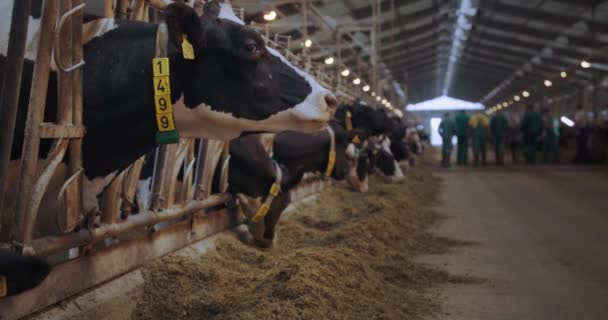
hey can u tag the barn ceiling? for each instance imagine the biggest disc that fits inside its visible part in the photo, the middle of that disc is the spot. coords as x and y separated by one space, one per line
475 50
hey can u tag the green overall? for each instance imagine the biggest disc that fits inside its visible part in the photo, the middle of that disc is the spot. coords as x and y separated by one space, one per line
447 129
479 127
531 127
551 141
499 126
462 133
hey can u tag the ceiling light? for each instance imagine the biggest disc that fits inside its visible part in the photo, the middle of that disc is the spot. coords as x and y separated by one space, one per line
383 101
366 88
345 72
329 61
378 98
548 83
270 16
525 94
585 64
516 98
373 94
357 81
504 104
308 43
563 74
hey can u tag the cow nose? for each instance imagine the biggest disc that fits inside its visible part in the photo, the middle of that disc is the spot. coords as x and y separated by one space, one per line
331 101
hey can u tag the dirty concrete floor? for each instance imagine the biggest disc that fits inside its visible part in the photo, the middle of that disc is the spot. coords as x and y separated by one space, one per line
541 240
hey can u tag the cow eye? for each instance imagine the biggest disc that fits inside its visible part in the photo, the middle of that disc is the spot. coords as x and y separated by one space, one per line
252 48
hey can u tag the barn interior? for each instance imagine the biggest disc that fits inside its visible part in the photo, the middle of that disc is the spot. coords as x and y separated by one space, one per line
312 159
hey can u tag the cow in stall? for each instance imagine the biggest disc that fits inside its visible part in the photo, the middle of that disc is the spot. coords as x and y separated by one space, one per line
376 125
261 186
119 99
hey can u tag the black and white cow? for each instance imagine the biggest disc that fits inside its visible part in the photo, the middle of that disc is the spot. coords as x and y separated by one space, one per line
234 85
377 125
251 173
311 151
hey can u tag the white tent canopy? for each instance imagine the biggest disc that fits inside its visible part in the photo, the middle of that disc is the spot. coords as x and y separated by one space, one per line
445 103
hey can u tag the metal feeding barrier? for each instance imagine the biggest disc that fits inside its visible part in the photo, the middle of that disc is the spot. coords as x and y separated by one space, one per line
90 248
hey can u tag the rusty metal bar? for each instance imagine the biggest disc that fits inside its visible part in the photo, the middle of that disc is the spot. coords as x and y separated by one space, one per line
158 178
200 168
49 245
51 130
25 215
62 54
11 87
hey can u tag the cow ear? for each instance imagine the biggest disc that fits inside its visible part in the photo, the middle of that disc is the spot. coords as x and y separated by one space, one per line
182 21
211 11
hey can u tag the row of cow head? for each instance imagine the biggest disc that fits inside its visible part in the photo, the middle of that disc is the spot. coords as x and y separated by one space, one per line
234 85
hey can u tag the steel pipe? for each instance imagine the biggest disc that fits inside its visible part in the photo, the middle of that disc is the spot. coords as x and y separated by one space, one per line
53 244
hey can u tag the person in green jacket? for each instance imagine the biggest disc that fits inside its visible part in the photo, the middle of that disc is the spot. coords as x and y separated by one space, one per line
551 137
479 127
499 126
462 133
447 129
531 127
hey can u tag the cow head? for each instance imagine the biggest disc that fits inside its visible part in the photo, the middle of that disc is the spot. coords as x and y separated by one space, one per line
21 273
251 174
237 81
311 151
252 171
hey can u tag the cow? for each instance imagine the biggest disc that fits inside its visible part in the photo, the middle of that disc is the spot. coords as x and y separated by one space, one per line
20 273
376 125
118 94
312 151
251 176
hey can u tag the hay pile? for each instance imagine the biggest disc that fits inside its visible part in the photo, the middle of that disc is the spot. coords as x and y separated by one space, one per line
343 256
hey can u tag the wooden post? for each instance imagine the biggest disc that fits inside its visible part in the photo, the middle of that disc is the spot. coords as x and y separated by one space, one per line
11 87
22 232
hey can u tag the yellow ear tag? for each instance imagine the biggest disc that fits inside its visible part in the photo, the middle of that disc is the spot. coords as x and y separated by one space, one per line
187 49
3 286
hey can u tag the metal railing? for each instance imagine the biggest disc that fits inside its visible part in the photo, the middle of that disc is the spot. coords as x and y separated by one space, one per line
90 248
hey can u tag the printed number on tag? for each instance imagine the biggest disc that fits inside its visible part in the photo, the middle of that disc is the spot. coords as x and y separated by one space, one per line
160 67
161 86
165 122
163 103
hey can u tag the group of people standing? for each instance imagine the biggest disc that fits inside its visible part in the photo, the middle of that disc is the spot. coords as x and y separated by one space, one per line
523 134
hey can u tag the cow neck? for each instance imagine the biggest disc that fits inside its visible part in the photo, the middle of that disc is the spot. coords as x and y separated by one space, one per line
124 127
331 161
262 211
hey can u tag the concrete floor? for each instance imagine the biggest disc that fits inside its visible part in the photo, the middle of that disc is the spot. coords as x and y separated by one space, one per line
541 240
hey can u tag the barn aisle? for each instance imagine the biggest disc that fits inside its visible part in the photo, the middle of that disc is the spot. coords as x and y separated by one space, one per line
540 237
